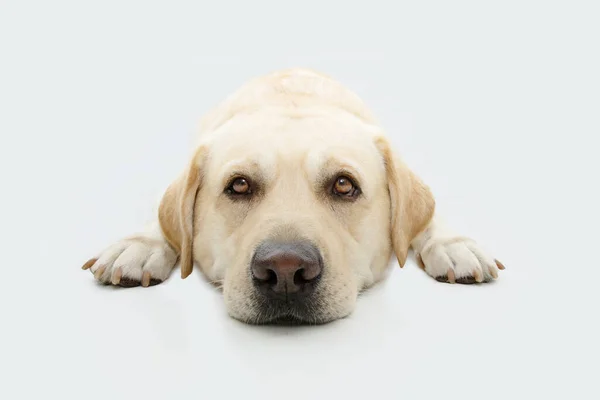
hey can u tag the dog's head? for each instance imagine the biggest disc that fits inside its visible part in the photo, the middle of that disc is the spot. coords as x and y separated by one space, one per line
294 215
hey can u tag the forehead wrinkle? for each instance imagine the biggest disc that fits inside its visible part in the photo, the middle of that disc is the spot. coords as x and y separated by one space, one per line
323 161
250 165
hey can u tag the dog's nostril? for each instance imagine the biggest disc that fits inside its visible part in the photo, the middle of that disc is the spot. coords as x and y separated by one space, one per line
306 275
264 274
271 277
299 278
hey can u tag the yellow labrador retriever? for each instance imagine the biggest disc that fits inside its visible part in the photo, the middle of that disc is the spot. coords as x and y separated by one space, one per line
293 202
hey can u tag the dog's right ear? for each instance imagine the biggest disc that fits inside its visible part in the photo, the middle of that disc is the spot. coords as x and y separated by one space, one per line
412 203
176 211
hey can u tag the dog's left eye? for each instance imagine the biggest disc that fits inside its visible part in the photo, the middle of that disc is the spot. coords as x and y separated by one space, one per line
239 186
343 186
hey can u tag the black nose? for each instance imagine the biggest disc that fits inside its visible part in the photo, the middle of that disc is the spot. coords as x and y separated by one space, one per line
286 268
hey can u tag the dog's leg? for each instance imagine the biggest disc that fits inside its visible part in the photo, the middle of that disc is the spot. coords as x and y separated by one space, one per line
144 259
448 257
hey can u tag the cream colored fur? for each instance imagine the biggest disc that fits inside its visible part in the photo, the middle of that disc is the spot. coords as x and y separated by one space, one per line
290 130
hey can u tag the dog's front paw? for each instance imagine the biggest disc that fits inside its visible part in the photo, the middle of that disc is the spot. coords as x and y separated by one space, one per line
133 262
458 260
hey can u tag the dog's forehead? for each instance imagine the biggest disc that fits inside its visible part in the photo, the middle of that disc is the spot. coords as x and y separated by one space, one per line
309 141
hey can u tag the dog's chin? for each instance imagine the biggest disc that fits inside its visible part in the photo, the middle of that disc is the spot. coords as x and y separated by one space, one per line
289 320
313 309
284 317
289 317
288 314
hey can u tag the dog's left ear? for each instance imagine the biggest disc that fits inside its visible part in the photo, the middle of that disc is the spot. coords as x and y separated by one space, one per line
412 204
176 211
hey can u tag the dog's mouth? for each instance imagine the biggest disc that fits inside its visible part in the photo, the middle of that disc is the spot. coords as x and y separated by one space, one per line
287 320
292 320
288 313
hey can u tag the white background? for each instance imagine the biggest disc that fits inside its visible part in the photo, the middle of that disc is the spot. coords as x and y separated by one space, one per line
494 103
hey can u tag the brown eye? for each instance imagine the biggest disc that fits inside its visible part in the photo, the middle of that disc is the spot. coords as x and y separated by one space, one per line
343 186
239 186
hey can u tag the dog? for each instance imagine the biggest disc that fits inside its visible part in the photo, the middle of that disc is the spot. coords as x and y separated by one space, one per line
293 202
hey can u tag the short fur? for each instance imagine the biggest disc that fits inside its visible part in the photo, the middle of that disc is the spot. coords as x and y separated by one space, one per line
291 132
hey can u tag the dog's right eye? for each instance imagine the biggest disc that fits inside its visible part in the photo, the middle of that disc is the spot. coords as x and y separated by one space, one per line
344 187
239 187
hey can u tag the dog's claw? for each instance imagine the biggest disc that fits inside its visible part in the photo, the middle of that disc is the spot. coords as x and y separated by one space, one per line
116 276
146 279
499 264
99 272
451 276
478 276
89 263
420 262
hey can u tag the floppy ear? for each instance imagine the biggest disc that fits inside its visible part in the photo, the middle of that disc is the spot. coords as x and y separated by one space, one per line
412 204
176 212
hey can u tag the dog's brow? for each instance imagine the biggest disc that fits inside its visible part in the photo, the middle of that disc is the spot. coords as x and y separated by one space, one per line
335 164
240 167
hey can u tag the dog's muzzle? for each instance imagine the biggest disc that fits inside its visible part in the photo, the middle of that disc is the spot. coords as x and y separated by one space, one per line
287 274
